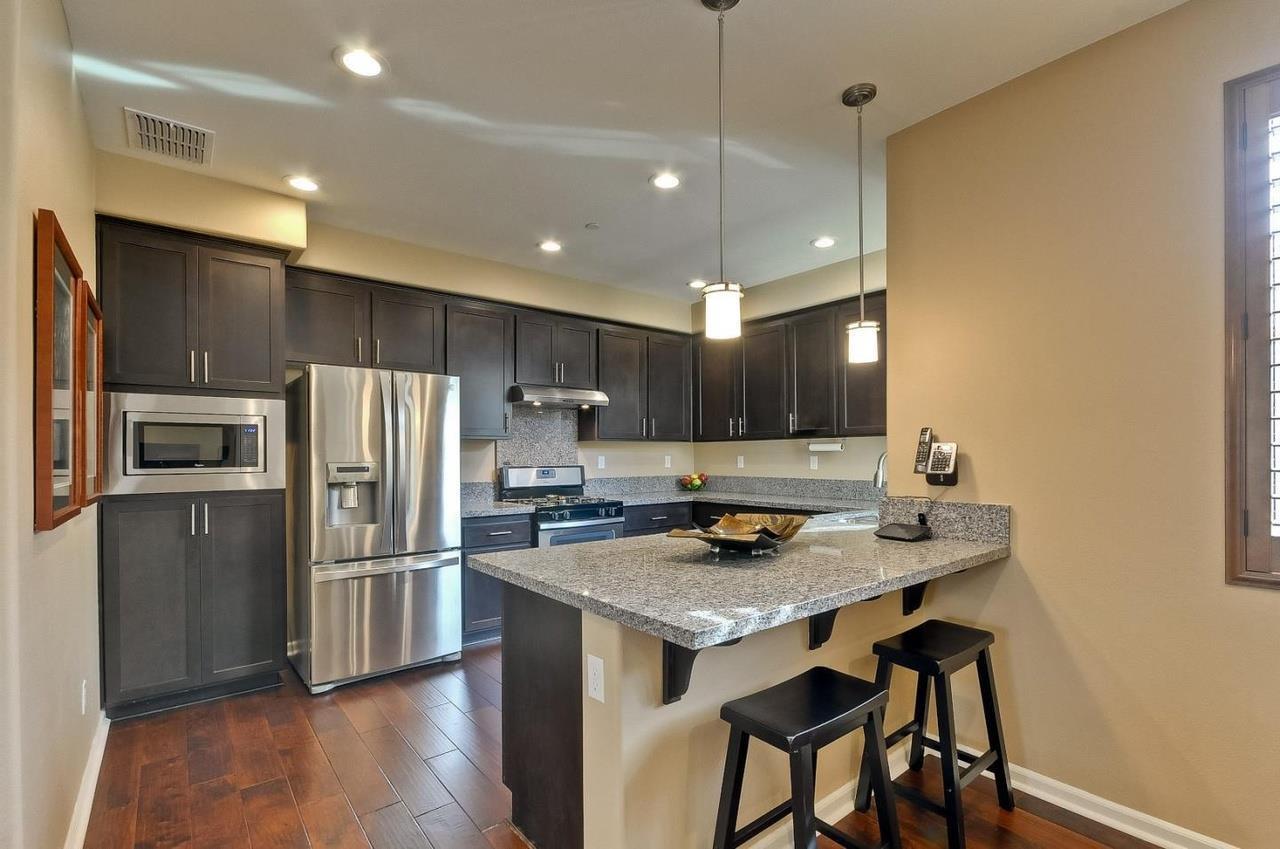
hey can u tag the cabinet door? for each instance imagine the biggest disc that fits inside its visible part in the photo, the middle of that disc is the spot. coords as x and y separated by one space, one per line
148 290
482 594
862 391
328 319
624 378
535 349
718 379
242 580
669 395
764 368
575 351
408 330
480 350
241 321
150 563
811 373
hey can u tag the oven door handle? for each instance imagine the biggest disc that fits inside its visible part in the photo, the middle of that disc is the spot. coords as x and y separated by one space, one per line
583 523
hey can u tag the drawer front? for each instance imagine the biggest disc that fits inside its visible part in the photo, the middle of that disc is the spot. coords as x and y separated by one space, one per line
495 530
648 516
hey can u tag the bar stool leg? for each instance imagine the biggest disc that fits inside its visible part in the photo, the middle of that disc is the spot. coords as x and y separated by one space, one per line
804 821
995 733
862 796
886 805
735 765
950 763
915 758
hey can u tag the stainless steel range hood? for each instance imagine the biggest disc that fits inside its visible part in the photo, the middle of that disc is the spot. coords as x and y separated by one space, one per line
557 396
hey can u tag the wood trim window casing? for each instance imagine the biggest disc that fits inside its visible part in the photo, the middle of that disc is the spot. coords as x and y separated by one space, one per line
1252 434
87 309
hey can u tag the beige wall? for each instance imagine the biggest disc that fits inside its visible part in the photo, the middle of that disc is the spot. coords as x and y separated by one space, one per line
144 190
346 251
1056 257
50 579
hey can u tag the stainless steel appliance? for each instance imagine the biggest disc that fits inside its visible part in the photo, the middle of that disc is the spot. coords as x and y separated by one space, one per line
562 515
193 443
375 527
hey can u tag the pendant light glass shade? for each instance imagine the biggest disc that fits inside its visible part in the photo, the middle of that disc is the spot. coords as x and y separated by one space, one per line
864 341
723 302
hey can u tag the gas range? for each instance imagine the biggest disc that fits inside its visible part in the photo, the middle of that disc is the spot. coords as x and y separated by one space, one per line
562 514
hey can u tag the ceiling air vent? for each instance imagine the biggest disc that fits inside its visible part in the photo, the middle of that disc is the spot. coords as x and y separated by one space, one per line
167 137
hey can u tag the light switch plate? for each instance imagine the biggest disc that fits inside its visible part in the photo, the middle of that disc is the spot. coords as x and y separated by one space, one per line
600 461
666 461
813 463
742 462
595 678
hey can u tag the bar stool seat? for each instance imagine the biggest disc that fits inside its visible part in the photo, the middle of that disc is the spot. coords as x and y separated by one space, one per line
799 716
934 647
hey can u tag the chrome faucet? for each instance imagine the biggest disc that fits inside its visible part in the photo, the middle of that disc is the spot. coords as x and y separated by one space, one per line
880 479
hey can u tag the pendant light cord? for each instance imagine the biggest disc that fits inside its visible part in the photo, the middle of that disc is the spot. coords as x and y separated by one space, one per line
720 23
862 257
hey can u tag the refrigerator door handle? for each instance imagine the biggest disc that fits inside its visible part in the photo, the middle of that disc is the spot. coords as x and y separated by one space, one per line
368 569
390 471
403 420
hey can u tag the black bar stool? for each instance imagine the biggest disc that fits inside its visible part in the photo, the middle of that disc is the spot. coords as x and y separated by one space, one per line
799 717
936 650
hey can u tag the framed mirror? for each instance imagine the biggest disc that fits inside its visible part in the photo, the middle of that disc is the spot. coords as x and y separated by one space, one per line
57 395
89 379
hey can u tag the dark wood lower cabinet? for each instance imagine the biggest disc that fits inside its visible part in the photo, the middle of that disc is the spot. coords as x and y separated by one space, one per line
481 594
193 595
645 519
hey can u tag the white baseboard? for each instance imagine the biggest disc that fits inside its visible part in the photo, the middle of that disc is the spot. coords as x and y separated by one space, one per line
839 804
88 783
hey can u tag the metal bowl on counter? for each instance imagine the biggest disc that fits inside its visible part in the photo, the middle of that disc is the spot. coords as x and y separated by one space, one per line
750 533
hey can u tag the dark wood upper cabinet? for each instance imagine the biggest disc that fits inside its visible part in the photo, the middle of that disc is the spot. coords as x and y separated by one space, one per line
717 378
555 351
670 371
862 389
408 329
480 349
624 377
812 360
149 290
764 367
240 340
242 585
328 319
190 312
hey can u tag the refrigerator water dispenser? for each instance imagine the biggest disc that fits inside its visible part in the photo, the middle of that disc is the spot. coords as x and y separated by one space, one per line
354 490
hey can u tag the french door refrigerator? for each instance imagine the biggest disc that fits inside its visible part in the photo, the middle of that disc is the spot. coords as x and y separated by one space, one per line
375 528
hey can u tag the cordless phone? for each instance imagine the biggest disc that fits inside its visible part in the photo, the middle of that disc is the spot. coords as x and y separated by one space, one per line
941 469
922 449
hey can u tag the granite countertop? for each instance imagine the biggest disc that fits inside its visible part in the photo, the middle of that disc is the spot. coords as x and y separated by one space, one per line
674 589
474 507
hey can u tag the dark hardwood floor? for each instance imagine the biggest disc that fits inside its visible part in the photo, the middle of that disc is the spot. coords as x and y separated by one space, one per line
410 761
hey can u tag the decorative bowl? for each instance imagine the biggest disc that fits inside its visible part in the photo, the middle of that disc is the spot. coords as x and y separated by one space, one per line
755 533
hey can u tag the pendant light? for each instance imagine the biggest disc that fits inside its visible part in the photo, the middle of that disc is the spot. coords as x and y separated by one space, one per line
722 300
864 336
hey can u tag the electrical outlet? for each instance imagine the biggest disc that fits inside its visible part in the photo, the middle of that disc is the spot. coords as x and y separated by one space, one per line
595 678
600 461
742 462
666 461
84 697
813 463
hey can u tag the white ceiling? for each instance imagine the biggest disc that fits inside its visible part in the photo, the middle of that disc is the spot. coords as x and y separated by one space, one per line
502 123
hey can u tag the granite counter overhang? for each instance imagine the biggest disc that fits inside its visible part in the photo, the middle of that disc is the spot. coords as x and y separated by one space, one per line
818 504
672 589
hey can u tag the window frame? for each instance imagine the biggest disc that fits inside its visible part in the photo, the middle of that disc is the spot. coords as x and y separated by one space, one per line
1243 329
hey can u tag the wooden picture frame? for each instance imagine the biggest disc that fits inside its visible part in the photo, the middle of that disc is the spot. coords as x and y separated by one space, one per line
58 405
90 447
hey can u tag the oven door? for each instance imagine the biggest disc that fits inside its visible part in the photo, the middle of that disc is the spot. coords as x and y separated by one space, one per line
183 443
569 533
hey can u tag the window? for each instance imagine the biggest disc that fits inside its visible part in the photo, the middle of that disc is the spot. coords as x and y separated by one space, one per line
1253 329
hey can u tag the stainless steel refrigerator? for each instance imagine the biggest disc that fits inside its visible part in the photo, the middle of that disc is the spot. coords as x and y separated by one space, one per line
375 528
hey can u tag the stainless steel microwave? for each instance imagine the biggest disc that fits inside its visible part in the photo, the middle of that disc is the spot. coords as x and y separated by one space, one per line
194 443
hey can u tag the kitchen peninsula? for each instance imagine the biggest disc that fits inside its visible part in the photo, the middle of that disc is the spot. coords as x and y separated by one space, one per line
611 735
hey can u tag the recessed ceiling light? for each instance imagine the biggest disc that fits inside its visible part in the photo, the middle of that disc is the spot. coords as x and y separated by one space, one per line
551 246
360 62
664 180
823 242
301 183
697 284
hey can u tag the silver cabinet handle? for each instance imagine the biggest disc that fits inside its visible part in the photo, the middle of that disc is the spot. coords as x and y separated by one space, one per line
501 533
206 518
206 366
377 351
742 426
193 504
359 349
657 518
653 427
193 378
644 427
731 426
791 422
721 516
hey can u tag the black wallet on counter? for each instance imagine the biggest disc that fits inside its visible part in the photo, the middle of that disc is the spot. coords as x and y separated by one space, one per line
904 532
